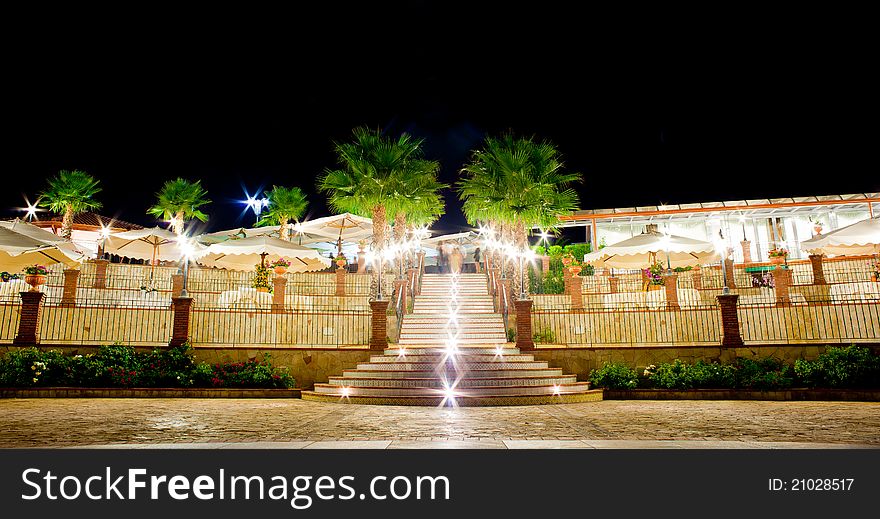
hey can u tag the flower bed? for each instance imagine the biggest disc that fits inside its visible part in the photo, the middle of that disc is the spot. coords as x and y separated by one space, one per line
123 367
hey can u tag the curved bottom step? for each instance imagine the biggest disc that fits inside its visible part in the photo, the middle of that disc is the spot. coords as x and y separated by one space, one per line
593 395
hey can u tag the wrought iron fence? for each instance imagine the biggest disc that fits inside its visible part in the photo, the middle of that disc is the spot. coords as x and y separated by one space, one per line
10 309
103 321
821 322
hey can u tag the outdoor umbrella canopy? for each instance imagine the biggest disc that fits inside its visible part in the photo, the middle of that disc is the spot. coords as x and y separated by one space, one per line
341 227
300 238
18 251
69 248
860 238
244 253
154 244
640 251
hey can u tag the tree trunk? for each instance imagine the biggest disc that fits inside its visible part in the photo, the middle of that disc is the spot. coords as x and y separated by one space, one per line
522 242
178 223
67 223
284 232
378 247
399 237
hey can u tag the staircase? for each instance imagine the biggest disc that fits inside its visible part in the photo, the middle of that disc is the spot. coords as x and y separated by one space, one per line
453 350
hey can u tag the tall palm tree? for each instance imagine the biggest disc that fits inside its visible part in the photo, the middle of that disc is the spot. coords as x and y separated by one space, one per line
285 204
373 171
519 183
420 200
70 193
179 200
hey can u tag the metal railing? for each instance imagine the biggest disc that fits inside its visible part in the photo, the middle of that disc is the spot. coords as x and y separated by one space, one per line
821 322
10 310
105 321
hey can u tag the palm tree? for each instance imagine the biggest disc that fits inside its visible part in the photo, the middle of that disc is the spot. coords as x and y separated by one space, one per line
372 176
179 200
420 200
285 204
70 193
519 183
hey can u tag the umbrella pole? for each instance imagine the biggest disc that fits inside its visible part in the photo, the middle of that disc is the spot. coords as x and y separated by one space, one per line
153 263
263 259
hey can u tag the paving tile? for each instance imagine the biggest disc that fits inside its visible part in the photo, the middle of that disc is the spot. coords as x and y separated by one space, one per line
547 444
449 444
373 444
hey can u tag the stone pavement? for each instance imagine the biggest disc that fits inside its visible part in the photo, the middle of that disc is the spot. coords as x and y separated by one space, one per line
244 423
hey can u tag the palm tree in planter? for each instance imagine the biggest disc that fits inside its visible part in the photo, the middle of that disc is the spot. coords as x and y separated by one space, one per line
369 180
522 184
179 200
285 204
70 193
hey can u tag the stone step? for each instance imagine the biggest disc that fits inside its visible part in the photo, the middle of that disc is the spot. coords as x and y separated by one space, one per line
592 395
436 357
451 375
444 335
438 382
445 311
462 365
469 350
460 341
448 327
457 392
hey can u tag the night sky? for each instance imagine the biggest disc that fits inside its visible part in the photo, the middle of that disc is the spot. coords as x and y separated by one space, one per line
662 116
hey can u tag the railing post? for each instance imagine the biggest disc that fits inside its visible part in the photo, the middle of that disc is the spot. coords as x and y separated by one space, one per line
524 340
818 270
100 273
781 283
182 312
670 282
577 294
614 284
379 324
730 334
279 290
340 281
29 319
400 291
68 293
697 277
411 274
747 251
176 285
729 272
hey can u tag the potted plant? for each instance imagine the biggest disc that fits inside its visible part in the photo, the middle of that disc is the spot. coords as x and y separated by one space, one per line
777 256
280 266
261 279
817 225
653 276
6 276
340 261
35 275
567 259
875 276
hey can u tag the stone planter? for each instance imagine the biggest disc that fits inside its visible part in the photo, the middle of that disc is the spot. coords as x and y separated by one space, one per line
652 287
35 280
566 261
575 270
280 270
340 263
263 289
777 260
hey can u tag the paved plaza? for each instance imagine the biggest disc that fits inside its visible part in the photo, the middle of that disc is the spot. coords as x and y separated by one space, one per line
216 423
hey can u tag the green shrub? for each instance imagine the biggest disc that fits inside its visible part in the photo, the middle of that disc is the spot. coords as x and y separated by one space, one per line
614 376
764 374
253 373
679 375
511 335
546 336
852 366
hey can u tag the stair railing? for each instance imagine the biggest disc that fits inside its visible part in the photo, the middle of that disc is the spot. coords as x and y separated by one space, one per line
504 307
398 310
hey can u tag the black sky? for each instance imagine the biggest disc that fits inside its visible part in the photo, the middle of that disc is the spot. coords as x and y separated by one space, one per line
649 113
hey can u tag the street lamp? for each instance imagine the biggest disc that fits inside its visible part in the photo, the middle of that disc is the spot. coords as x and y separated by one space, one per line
721 247
545 237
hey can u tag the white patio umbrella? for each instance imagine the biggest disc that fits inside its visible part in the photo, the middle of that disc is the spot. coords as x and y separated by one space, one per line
154 244
642 250
858 239
19 250
244 253
341 227
66 246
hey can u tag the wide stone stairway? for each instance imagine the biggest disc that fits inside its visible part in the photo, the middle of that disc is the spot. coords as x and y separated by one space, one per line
453 351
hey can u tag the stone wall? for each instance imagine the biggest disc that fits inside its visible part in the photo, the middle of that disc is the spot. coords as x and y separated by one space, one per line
580 361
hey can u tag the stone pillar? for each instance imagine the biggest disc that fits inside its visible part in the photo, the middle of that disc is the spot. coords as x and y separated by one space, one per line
29 319
545 263
781 282
524 339
176 285
729 271
340 281
279 290
362 261
100 273
818 271
747 251
670 281
68 294
576 292
730 335
697 277
614 284
378 325
180 328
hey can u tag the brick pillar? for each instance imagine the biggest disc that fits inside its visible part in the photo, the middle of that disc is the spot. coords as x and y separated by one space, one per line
400 288
747 251
379 325
697 277
576 292
176 285
818 271
545 263
340 281
68 294
100 273
781 281
524 339
29 319
670 281
279 290
362 261
614 284
729 270
180 328
730 335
